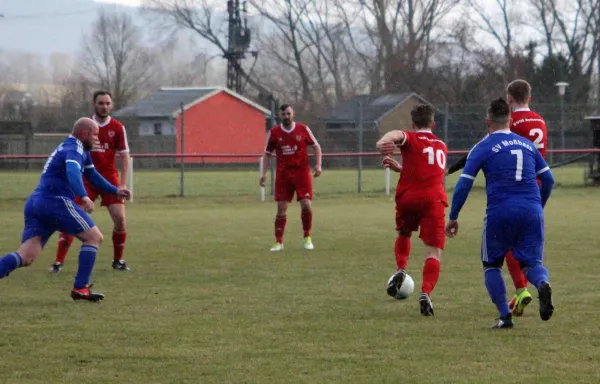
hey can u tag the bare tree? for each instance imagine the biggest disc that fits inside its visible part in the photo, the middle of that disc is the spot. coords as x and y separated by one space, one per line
113 57
199 17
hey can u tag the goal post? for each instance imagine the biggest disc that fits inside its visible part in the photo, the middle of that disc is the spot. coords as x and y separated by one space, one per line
130 178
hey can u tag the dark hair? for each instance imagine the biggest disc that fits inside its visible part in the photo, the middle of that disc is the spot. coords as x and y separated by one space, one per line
520 90
283 107
422 115
101 93
499 111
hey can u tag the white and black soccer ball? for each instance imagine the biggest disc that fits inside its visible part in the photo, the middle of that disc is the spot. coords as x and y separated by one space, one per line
405 289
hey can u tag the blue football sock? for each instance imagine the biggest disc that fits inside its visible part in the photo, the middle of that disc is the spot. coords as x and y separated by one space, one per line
497 289
9 263
537 275
87 259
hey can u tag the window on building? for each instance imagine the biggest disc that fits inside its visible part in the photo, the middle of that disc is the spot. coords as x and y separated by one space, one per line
158 129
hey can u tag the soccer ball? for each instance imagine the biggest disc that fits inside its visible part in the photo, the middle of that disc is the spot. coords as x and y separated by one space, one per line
407 287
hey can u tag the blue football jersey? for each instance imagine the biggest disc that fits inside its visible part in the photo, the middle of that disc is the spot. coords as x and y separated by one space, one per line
54 179
511 165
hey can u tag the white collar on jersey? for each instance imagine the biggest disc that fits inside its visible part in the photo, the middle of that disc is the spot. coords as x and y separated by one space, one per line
525 109
423 131
291 129
102 124
505 131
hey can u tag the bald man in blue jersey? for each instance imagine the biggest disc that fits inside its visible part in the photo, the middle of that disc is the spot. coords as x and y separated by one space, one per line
514 218
51 208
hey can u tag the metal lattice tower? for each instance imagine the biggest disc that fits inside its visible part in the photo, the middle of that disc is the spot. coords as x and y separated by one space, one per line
238 43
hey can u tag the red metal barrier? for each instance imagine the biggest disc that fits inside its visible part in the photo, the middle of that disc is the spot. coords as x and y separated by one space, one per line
257 155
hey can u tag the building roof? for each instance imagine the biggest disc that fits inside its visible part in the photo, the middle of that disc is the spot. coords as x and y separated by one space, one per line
166 102
374 108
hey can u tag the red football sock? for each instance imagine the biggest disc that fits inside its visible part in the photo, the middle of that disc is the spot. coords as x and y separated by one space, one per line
514 267
64 243
431 274
280 227
118 239
402 250
306 222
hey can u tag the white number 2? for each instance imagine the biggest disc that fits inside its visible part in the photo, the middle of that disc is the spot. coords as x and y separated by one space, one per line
434 155
539 136
519 172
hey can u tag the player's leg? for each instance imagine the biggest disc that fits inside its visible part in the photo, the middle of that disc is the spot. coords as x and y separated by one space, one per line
433 236
522 296
65 240
70 218
530 252
406 224
119 235
36 233
302 185
306 216
494 245
284 193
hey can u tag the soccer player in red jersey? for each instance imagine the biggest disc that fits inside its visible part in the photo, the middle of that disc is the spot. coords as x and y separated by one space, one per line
112 139
290 142
420 198
526 123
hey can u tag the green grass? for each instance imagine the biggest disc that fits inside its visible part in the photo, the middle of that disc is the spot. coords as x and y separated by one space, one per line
207 303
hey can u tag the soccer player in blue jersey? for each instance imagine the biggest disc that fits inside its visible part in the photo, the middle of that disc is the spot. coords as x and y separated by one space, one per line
514 218
51 208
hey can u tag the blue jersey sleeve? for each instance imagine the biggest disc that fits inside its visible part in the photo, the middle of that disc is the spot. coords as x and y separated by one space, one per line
540 164
474 162
74 159
99 181
545 175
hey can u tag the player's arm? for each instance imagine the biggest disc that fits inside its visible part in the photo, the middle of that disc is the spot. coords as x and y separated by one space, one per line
94 177
390 142
545 176
73 163
463 187
460 164
123 150
266 159
312 141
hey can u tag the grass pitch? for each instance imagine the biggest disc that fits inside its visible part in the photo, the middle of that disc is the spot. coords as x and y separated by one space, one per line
207 302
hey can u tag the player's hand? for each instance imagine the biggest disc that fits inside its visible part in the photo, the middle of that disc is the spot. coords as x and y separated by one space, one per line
124 193
262 181
386 147
318 171
392 164
452 228
87 204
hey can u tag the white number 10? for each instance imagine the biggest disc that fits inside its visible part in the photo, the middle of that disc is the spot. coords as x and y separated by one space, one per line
519 172
440 156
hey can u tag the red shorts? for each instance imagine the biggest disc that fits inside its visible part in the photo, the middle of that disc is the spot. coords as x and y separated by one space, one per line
107 198
414 211
287 183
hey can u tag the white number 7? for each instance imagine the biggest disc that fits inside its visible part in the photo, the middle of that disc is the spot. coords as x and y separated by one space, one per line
519 172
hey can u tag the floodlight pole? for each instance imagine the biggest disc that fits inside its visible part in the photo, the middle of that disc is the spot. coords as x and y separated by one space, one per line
562 87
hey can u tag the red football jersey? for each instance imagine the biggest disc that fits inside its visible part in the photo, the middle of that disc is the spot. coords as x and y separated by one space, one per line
531 126
290 146
423 164
112 139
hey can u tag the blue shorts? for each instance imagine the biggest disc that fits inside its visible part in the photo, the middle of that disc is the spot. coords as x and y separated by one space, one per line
46 214
516 231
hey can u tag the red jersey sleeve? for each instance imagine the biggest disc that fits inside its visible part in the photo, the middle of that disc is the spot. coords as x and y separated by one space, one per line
310 138
121 144
270 144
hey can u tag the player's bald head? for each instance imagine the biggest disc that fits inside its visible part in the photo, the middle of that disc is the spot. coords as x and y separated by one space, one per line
86 131
83 126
